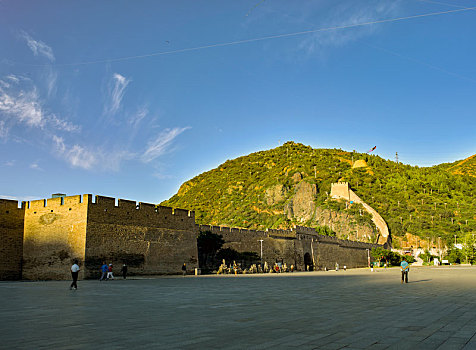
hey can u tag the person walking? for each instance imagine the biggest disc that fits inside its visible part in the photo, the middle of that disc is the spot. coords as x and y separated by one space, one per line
405 267
109 272
124 271
103 271
74 274
184 269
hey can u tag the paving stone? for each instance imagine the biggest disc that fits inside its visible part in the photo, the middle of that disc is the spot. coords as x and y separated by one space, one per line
355 309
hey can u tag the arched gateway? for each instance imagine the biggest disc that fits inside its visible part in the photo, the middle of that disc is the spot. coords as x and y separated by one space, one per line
308 262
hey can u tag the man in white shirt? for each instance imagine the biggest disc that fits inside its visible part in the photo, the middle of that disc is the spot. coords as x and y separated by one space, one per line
74 273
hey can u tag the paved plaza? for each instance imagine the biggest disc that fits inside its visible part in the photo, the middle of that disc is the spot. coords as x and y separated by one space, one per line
353 309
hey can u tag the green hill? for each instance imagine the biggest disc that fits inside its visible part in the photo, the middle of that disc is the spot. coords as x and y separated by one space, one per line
464 167
290 185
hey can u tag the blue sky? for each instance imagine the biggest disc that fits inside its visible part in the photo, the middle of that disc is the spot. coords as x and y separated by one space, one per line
130 99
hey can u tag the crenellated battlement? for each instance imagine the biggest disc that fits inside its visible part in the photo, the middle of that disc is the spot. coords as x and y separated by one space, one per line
345 243
184 213
105 202
57 202
8 204
126 204
111 210
297 232
304 230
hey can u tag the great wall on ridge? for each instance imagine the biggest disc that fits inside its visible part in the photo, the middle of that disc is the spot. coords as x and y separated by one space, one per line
41 238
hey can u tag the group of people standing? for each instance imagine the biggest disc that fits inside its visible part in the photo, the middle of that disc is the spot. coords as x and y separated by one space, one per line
106 271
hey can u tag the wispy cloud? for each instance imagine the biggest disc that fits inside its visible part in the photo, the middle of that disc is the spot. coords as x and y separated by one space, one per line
117 88
16 198
35 166
63 125
348 14
87 158
20 103
162 176
23 105
135 120
13 78
38 47
50 79
3 130
159 145
75 155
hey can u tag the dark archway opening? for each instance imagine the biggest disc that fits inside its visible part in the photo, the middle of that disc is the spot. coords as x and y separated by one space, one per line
308 264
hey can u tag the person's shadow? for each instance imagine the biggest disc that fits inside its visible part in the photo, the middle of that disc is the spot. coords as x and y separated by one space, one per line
419 281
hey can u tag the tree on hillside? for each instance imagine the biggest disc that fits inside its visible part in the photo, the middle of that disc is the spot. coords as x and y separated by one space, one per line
469 248
380 254
208 245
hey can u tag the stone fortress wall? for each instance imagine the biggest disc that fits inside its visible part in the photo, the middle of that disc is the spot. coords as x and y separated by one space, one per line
149 240
291 246
54 235
341 190
11 247
43 237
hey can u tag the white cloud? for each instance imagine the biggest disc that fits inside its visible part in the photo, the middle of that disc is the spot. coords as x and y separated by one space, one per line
59 144
3 130
38 47
76 155
50 80
347 14
117 88
35 166
162 176
13 78
10 163
87 158
61 124
137 118
23 105
20 103
159 146
4 84
15 198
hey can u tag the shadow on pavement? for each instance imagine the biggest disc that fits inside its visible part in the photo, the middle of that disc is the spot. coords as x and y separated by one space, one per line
419 281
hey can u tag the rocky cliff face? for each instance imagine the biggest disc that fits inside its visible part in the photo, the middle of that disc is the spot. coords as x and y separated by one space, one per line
299 204
275 194
345 226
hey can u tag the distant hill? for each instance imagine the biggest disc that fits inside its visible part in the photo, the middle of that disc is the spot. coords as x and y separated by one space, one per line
464 167
290 185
